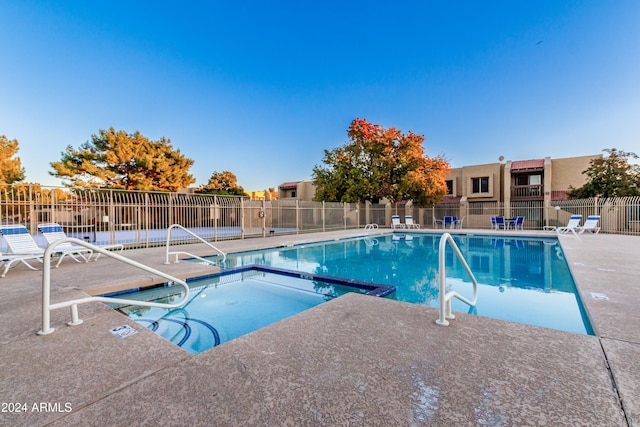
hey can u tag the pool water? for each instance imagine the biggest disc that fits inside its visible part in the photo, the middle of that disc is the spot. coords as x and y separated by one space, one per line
221 308
523 280
520 280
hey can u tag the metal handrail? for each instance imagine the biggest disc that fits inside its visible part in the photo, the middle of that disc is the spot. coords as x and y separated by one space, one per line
445 298
75 320
224 256
371 227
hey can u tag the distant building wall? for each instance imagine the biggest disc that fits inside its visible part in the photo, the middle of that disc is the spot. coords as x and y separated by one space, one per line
568 172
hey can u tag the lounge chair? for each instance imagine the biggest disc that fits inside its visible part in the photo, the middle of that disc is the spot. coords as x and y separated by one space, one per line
395 222
20 242
590 225
9 260
571 227
53 232
408 221
437 222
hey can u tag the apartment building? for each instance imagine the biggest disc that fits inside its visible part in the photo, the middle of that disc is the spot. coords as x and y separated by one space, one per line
537 180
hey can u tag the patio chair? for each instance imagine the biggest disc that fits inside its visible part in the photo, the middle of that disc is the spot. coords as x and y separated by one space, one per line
408 221
437 222
8 260
518 223
493 223
590 225
458 223
500 223
449 221
53 232
395 222
572 225
20 242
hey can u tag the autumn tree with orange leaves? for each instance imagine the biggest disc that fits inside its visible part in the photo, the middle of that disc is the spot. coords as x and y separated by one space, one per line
380 163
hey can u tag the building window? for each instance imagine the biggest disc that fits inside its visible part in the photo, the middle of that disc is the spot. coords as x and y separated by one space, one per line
528 180
293 194
480 185
449 186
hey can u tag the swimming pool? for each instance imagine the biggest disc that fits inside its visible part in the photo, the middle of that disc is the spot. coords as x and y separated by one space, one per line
239 301
523 280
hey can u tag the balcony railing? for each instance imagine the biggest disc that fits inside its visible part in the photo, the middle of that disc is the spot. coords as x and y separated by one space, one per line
527 192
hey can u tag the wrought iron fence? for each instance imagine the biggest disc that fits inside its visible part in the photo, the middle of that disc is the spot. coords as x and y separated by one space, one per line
140 219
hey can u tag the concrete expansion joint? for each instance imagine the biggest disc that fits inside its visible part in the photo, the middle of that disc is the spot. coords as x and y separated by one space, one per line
614 385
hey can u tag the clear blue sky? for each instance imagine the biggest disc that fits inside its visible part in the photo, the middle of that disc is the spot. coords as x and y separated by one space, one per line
262 88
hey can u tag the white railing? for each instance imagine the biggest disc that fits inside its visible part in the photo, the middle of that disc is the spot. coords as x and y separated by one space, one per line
371 227
445 297
168 253
47 307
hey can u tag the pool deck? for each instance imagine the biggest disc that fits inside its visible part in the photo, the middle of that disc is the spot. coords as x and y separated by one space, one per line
356 360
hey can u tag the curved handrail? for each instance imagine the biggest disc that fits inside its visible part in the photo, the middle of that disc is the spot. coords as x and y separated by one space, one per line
371 227
224 256
75 320
445 298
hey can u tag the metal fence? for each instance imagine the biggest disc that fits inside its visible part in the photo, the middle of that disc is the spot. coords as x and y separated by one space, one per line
140 219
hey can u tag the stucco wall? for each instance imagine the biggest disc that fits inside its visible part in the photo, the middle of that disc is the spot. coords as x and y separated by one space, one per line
568 171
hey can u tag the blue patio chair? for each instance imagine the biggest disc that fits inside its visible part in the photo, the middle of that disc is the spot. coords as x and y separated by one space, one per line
437 222
500 223
449 221
518 223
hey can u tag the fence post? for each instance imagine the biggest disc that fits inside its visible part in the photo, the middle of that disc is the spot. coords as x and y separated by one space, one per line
147 208
242 218
344 214
32 211
323 217
264 217
297 216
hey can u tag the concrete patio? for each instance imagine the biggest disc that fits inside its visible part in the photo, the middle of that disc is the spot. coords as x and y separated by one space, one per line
355 360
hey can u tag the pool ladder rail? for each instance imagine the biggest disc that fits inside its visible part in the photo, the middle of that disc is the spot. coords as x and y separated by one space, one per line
47 307
371 227
176 253
445 297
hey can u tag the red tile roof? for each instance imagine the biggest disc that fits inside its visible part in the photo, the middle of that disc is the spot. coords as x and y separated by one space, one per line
289 185
527 164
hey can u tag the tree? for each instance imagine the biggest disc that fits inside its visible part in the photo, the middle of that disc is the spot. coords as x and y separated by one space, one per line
222 183
11 169
115 159
610 176
380 163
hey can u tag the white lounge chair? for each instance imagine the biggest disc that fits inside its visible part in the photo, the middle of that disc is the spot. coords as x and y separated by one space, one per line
590 225
408 221
53 232
571 227
20 242
8 260
395 222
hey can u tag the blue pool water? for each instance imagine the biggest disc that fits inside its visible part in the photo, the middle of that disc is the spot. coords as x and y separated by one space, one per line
523 280
224 307
520 280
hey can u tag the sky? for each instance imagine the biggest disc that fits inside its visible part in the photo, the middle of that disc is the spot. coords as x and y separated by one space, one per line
261 89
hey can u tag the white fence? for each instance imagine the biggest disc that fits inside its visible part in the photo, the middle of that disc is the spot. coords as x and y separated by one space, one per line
140 219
